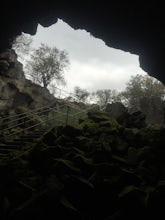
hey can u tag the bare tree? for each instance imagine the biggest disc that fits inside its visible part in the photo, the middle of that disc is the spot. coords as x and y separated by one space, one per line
104 96
81 94
47 64
146 94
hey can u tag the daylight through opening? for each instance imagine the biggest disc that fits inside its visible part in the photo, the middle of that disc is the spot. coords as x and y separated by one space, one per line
91 71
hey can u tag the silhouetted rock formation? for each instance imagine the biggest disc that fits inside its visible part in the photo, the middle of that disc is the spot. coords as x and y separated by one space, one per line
116 109
10 66
129 26
15 90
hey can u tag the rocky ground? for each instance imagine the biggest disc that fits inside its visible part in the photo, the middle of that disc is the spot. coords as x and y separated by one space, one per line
101 169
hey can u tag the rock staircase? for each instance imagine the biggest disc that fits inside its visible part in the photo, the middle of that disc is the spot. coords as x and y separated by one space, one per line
31 131
20 132
21 144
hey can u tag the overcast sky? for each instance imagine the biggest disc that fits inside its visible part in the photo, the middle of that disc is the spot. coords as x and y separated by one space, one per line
93 65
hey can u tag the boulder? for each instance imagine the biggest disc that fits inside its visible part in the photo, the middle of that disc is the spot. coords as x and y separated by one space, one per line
9 55
4 66
133 120
116 109
15 89
10 66
87 172
97 116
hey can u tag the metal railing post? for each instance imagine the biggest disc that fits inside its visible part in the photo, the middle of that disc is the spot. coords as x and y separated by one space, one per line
73 118
47 114
23 132
1 131
67 115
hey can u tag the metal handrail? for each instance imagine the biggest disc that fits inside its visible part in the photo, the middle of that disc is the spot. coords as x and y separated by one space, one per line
26 115
35 125
11 116
37 112
85 110
41 123
19 124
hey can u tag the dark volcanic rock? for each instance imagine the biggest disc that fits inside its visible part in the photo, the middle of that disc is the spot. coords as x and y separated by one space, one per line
78 173
15 90
116 109
133 120
132 27
10 66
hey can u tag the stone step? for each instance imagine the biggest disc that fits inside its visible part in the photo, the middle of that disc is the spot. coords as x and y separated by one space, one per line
15 142
10 146
32 136
37 133
25 139
21 143
6 151
18 142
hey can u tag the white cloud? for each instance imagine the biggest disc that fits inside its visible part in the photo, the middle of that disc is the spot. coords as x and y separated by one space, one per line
103 76
93 64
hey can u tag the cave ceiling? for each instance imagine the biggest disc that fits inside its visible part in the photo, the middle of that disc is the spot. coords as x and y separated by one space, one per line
136 27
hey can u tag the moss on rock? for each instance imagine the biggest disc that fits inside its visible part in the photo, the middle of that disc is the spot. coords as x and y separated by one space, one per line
98 169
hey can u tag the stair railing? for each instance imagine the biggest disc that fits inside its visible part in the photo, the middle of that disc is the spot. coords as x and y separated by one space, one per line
76 117
18 124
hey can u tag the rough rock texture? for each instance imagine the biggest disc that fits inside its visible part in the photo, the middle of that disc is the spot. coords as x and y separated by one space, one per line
15 90
14 94
10 66
97 170
153 112
116 109
131 26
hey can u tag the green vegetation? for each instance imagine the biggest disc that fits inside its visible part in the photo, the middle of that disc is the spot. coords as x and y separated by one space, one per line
101 168
88 165
47 64
146 94
105 96
46 67
142 93
81 94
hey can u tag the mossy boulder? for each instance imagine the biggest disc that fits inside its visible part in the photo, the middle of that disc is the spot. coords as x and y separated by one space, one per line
89 127
111 124
72 130
49 137
132 120
99 122
120 146
98 169
154 135
98 116
132 136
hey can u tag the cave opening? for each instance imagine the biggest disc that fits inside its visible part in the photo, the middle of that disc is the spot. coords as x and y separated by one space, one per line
93 65
101 167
